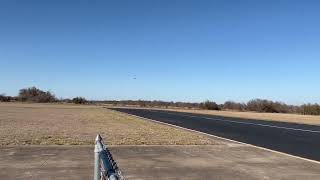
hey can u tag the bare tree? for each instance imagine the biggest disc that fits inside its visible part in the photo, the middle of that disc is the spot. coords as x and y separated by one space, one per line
34 94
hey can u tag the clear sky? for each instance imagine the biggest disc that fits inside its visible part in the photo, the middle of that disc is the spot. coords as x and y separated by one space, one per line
177 50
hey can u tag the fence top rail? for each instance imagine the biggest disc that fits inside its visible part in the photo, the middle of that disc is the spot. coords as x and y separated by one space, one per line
104 165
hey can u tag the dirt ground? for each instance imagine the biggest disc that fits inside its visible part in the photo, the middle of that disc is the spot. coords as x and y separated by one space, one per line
35 124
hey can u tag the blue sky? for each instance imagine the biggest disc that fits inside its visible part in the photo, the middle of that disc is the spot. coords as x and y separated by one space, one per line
177 50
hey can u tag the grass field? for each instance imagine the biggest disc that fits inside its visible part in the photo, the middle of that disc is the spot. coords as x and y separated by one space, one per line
34 124
281 117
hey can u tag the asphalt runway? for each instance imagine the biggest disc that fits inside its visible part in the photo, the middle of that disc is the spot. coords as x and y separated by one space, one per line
295 139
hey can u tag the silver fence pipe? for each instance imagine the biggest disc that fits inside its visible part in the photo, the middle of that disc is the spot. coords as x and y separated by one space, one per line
102 161
109 171
97 150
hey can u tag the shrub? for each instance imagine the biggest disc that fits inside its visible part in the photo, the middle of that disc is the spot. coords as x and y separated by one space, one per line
261 105
4 98
142 103
209 105
79 100
231 105
311 109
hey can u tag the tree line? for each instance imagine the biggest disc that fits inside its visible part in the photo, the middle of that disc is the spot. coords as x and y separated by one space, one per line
34 94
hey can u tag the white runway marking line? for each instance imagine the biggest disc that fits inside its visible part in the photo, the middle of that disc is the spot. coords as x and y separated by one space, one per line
247 123
258 147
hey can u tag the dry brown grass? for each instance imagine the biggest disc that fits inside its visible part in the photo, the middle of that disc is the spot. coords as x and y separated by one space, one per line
78 124
281 117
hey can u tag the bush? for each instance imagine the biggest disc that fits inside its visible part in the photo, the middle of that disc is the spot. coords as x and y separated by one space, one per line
142 103
261 105
231 105
311 109
36 95
209 105
79 100
4 98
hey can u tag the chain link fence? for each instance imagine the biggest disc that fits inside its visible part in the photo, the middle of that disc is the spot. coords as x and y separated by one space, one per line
105 167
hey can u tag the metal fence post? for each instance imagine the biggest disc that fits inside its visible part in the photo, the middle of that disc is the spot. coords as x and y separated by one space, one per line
104 165
97 150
